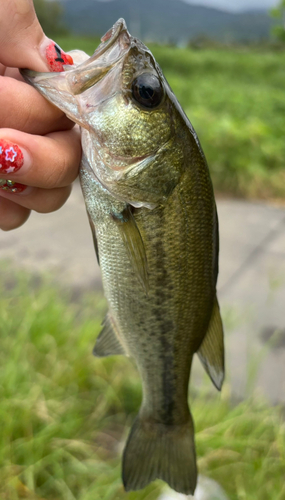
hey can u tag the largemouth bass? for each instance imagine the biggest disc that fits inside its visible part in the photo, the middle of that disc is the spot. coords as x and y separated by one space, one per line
151 207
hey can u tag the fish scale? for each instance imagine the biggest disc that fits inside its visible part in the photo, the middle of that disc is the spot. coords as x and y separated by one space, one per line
152 212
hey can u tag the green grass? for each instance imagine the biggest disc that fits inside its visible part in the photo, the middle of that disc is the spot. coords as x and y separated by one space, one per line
65 414
236 102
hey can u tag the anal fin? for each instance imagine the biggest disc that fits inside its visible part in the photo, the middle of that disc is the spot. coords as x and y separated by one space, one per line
211 351
108 343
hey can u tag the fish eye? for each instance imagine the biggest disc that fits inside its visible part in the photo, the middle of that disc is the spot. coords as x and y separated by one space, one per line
147 90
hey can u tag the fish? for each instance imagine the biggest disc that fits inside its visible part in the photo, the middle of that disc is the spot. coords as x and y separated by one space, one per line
152 212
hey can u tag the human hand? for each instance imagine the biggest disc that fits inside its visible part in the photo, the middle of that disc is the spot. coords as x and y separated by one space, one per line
39 148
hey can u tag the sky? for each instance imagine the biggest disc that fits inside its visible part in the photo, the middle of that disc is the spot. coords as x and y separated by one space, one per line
236 5
233 5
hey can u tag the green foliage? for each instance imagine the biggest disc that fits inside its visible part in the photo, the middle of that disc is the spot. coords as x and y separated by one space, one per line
88 44
49 14
278 13
236 103
65 414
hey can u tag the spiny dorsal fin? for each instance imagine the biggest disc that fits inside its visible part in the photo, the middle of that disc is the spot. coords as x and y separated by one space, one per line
107 343
211 352
134 243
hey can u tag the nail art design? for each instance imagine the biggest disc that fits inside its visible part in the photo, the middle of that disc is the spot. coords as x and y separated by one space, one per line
57 58
11 157
11 186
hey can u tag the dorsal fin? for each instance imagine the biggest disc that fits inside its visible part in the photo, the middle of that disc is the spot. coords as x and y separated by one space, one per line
211 351
108 343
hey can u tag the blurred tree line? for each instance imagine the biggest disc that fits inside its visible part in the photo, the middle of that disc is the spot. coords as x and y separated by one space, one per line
279 14
50 16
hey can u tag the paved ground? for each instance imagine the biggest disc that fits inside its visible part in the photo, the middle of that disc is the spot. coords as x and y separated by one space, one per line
251 282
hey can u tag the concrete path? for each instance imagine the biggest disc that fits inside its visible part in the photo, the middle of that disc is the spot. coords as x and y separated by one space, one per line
251 285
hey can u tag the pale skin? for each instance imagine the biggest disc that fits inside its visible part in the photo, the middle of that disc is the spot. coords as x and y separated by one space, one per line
51 143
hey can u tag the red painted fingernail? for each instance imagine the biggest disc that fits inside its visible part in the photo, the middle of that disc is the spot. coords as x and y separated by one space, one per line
57 58
11 186
11 157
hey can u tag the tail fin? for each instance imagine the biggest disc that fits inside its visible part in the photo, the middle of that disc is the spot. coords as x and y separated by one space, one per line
156 450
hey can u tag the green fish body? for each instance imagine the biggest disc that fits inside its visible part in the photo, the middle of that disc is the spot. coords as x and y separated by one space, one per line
151 207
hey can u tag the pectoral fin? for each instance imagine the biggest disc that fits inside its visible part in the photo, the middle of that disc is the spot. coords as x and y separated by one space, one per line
94 237
211 352
134 243
108 343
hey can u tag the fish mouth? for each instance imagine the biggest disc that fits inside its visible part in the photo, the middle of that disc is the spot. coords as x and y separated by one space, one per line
114 45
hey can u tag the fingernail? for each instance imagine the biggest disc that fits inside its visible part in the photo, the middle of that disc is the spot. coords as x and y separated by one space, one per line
56 57
11 157
11 186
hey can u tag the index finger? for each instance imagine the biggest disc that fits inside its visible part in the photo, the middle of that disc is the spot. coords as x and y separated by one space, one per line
23 43
21 36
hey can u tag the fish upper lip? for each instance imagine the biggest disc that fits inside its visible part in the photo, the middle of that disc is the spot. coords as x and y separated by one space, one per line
109 39
91 71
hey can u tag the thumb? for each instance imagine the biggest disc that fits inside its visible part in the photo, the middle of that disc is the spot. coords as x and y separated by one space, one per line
23 43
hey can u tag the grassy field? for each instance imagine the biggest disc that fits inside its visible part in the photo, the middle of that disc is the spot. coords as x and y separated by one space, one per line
236 102
65 414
